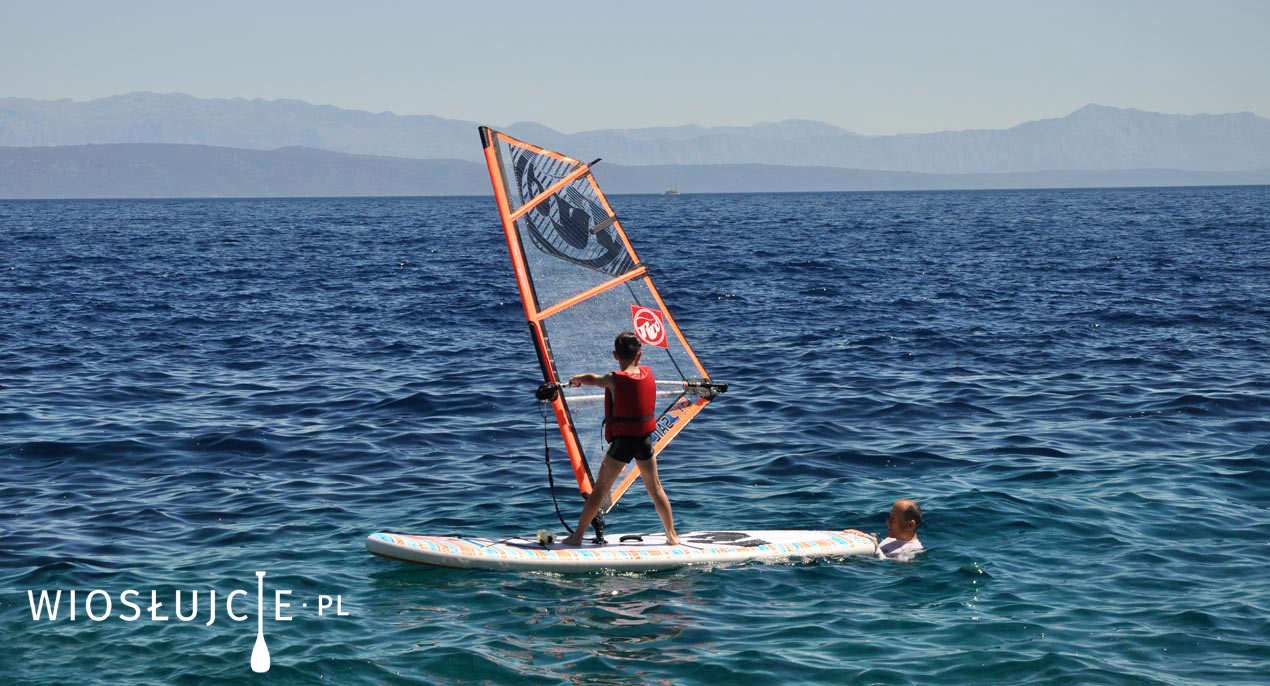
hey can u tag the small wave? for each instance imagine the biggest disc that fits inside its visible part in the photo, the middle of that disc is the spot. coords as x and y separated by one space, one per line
420 402
1037 451
1224 405
249 442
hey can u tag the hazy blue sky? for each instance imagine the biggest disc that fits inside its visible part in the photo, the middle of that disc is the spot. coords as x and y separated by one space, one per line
878 67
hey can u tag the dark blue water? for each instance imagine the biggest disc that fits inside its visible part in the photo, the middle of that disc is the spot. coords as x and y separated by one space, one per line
1073 384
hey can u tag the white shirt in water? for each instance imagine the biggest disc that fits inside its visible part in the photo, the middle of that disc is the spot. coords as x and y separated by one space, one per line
894 549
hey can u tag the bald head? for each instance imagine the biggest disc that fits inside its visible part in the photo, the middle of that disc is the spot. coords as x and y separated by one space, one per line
911 510
906 516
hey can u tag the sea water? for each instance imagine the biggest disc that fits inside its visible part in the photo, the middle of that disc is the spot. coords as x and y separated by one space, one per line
1073 383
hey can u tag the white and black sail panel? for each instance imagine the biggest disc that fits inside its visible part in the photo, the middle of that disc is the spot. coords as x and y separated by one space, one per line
582 284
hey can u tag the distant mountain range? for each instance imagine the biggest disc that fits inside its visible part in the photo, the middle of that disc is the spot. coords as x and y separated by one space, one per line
1093 138
157 170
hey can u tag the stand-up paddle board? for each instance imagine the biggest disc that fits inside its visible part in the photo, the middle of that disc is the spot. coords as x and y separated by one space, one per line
628 552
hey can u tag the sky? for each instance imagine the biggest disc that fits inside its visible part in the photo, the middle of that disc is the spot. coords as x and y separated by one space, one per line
873 68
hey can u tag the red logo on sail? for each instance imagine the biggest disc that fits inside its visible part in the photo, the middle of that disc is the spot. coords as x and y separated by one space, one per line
648 326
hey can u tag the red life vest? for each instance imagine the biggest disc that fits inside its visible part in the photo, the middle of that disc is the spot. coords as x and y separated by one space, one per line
631 410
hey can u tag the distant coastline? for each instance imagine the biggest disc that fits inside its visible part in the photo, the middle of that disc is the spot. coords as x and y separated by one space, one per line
1093 137
158 170
154 145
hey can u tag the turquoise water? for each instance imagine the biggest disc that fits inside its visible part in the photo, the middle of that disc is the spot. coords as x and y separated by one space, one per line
1072 383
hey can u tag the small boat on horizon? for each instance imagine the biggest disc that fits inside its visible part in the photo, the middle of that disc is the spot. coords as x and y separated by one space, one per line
673 190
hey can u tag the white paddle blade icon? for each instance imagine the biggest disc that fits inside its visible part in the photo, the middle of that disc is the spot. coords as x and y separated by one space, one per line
260 651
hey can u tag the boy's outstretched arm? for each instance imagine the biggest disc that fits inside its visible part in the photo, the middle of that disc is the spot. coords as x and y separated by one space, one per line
605 381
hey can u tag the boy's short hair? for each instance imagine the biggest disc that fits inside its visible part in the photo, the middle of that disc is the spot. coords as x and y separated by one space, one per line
627 345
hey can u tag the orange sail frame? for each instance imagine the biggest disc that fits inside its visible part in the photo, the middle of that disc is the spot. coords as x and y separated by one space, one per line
682 412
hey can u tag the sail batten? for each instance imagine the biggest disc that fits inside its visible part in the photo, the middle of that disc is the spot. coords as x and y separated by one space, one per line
581 284
587 294
555 188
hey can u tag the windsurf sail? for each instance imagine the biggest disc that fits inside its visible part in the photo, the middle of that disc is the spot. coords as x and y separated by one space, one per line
582 283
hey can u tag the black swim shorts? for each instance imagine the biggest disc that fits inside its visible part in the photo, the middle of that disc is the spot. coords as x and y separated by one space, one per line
623 448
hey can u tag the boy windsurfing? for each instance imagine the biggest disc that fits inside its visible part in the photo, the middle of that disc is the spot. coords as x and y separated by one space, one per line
630 406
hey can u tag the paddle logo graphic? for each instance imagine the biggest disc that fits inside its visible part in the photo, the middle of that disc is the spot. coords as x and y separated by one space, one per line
97 606
648 326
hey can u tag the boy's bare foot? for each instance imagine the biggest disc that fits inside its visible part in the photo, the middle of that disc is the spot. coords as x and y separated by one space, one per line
672 540
574 539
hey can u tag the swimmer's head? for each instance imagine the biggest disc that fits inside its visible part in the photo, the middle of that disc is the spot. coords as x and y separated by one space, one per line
906 516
